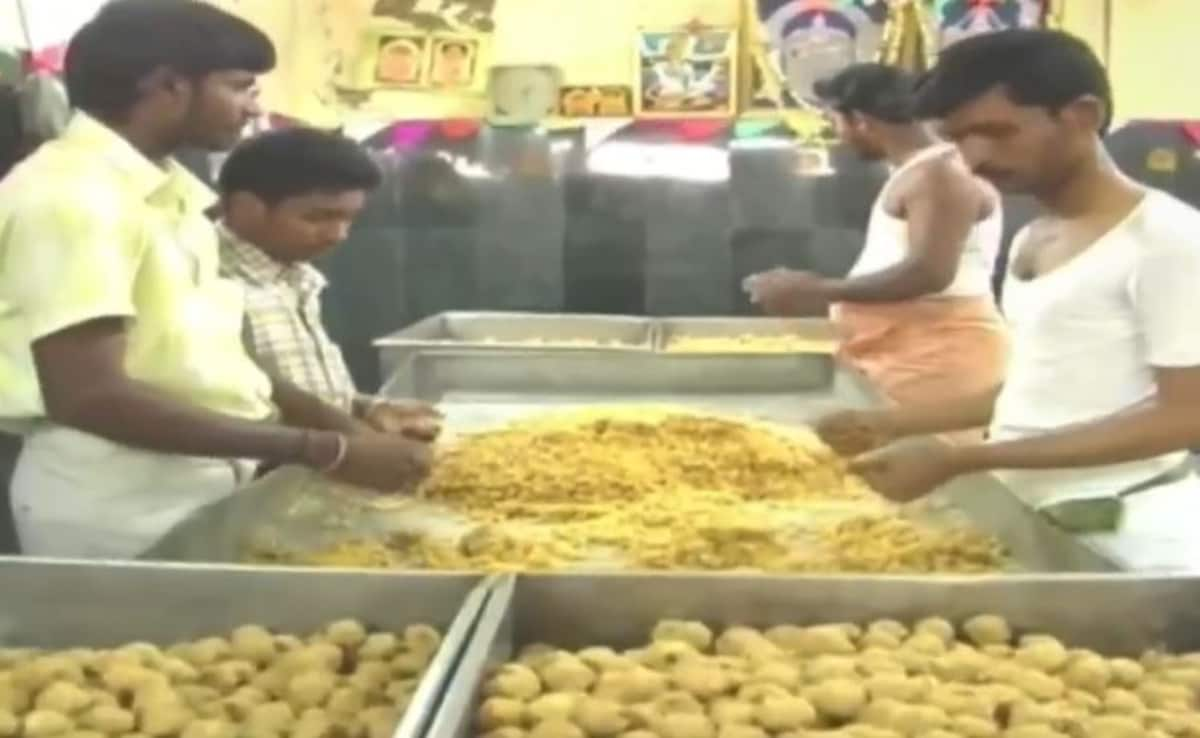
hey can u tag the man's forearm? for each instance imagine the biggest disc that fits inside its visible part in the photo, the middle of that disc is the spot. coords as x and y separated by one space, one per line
904 281
140 416
304 410
964 413
1144 430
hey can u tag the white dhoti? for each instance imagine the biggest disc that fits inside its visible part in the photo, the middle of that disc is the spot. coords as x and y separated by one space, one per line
76 495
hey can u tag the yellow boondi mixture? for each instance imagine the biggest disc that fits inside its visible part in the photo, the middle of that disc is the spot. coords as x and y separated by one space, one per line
749 344
662 489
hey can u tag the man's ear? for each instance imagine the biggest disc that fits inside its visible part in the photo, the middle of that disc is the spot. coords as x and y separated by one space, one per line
163 80
1086 112
243 205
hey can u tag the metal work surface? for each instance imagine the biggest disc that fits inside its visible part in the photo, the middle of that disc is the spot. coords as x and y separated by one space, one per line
1109 614
489 332
65 604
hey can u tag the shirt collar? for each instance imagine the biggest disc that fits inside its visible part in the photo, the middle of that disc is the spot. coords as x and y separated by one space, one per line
172 181
254 264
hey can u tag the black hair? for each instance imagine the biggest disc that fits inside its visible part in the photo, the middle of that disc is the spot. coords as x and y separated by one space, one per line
292 162
454 45
876 90
110 56
1035 67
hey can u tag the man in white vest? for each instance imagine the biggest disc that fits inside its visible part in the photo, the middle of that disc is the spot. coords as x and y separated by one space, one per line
916 313
1102 397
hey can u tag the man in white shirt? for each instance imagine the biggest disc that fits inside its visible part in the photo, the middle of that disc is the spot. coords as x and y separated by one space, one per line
1102 396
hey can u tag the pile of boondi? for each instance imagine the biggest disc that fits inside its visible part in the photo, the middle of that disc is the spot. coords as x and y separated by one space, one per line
885 680
751 344
656 488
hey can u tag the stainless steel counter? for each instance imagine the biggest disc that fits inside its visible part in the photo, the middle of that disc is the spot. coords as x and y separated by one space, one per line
64 604
1111 614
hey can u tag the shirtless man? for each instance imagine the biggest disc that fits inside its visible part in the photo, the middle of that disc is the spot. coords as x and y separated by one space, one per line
1102 396
916 313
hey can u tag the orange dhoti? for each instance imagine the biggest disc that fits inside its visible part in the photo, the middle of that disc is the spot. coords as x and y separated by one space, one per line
925 350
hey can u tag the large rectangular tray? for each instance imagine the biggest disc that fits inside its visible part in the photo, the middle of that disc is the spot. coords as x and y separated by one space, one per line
64 604
434 374
1107 613
668 330
500 331
476 392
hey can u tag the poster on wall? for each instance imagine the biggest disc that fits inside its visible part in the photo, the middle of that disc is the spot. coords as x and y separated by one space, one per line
434 46
794 43
685 72
596 101
401 60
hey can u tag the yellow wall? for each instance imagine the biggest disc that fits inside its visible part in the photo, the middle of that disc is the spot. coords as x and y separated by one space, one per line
1152 48
1153 58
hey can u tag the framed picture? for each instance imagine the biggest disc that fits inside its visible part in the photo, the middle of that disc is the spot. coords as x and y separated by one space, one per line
394 56
686 72
596 101
795 43
454 61
401 60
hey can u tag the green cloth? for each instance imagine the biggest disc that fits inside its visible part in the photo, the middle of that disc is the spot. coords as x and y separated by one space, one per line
1097 515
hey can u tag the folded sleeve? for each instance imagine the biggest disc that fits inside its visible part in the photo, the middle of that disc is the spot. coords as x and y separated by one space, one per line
72 259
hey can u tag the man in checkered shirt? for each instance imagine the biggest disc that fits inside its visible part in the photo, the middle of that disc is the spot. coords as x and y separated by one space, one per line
287 197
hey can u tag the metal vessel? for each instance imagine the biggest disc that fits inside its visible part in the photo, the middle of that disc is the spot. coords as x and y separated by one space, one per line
1105 613
68 604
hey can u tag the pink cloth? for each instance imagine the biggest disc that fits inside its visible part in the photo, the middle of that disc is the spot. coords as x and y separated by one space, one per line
926 350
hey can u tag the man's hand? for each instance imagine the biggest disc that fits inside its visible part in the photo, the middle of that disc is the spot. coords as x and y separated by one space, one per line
387 463
410 418
908 471
854 432
783 292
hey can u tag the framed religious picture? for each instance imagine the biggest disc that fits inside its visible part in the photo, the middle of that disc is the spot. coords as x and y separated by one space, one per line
795 43
686 72
401 60
454 62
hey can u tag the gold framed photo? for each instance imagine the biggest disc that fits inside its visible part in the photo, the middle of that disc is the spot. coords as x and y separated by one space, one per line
686 72
401 60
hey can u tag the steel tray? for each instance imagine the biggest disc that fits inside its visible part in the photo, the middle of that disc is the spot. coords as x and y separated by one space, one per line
499 331
667 330
1107 613
64 604
433 374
